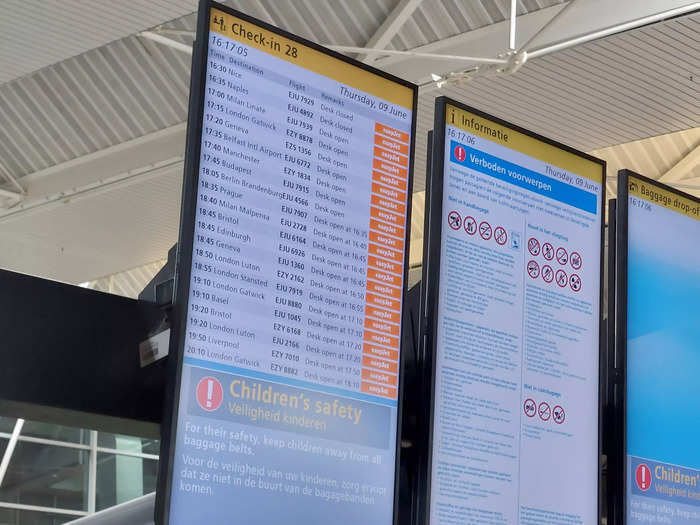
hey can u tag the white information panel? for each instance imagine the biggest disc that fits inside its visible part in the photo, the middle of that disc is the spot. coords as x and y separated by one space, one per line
288 404
515 408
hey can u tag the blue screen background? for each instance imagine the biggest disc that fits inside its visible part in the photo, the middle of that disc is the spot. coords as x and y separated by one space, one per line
663 346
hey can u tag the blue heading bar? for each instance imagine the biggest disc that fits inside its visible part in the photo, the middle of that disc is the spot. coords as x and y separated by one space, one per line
522 177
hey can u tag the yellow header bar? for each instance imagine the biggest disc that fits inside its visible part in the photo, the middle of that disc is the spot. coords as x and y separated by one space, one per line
309 58
523 143
668 199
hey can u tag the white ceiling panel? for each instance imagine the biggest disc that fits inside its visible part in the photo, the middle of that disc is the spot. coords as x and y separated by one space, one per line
37 33
96 234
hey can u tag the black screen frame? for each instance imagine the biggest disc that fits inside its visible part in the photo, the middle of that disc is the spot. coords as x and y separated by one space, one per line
431 258
622 255
612 420
186 239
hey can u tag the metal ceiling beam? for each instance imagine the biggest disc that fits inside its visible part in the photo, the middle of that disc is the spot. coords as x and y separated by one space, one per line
486 41
391 25
121 163
682 167
611 30
169 42
431 56
12 197
11 179
550 23
59 199
12 443
10 194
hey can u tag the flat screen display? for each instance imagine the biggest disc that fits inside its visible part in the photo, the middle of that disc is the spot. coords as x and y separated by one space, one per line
516 347
662 468
289 386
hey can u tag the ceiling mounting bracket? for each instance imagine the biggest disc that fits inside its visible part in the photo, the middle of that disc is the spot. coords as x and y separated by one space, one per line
513 61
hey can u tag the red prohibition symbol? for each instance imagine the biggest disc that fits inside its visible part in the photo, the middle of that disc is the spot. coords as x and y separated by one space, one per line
530 407
533 269
533 246
500 235
460 153
485 230
544 411
454 219
470 225
547 273
561 278
576 261
548 251
575 282
643 477
210 394
562 256
558 414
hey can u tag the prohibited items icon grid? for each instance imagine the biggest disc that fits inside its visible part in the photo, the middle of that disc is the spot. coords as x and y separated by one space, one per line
544 411
557 257
456 221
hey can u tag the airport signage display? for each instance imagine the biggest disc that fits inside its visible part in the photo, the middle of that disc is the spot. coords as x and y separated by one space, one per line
293 257
513 324
658 285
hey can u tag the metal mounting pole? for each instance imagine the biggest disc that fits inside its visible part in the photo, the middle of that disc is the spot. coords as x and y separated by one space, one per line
548 24
513 14
353 49
560 46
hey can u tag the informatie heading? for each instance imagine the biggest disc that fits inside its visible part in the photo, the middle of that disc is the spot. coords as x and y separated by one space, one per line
472 123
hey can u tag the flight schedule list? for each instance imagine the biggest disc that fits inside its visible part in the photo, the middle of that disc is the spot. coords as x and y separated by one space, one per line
291 358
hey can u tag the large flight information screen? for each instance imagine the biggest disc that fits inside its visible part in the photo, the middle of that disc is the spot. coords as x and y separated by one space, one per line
289 390
662 468
516 345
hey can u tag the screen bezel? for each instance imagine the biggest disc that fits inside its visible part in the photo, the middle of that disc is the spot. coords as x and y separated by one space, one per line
622 249
431 257
186 240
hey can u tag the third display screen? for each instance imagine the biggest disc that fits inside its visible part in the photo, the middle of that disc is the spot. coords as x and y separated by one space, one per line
663 356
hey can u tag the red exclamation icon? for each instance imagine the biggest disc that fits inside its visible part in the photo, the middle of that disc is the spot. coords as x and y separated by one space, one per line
643 477
460 153
210 394
210 391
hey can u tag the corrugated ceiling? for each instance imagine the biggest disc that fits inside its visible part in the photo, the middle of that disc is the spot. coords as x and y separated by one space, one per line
133 86
37 33
129 283
652 157
626 87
